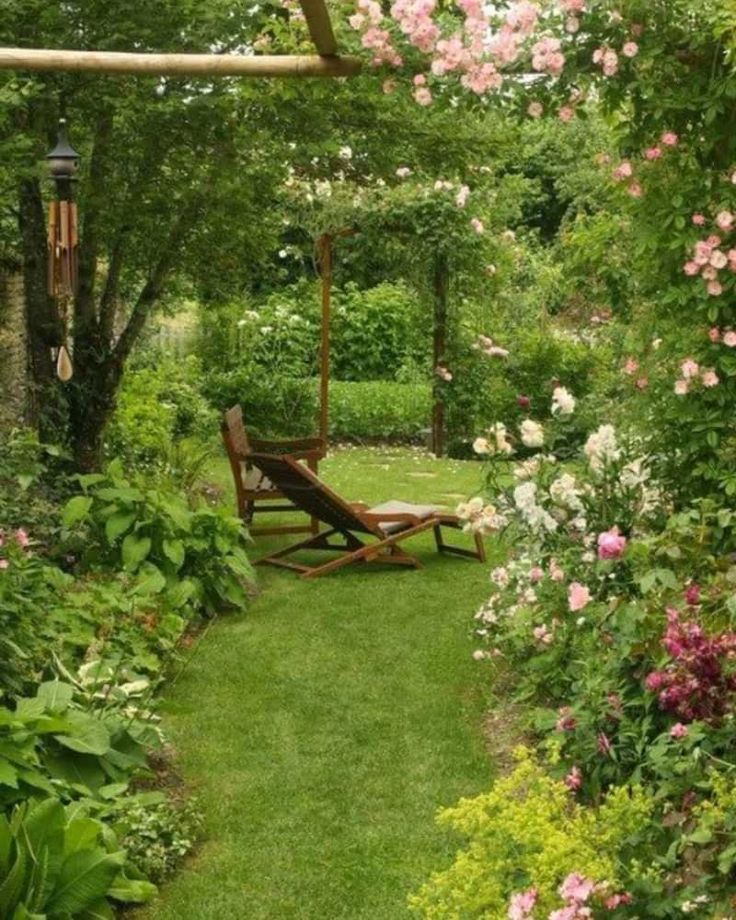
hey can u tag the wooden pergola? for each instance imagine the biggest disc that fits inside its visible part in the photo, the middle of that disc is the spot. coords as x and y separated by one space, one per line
327 62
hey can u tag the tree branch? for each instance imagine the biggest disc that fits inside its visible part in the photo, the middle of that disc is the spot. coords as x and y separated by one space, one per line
84 305
108 299
153 288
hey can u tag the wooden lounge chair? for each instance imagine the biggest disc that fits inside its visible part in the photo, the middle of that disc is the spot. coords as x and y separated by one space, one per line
387 525
253 490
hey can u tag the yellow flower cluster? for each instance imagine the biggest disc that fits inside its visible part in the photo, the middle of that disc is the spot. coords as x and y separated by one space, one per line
528 832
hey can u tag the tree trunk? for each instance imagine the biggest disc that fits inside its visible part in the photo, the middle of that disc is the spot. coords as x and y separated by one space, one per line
441 284
47 405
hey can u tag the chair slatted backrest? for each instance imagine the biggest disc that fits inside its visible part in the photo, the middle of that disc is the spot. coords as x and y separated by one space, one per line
309 493
235 431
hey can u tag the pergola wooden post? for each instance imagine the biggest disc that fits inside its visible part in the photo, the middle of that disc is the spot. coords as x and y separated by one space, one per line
325 260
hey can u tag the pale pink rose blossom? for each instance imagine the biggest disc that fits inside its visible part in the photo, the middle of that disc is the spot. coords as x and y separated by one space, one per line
631 366
679 731
630 49
522 904
682 387
670 139
709 378
535 109
576 888
423 96
730 338
724 221
635 190
21 536
4 563
699 220
578 597
715 288
653 153
477 225
691 268
689 368
642 383
566 113
555 572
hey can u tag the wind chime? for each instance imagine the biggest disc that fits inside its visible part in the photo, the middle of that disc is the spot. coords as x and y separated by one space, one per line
63 240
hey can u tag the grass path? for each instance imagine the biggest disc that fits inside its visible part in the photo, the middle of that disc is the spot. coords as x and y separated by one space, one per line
323 729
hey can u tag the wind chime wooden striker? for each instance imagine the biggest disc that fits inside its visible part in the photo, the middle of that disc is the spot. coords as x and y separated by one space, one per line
63 240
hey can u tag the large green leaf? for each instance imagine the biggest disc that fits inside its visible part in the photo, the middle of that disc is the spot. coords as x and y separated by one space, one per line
6 843
76 509
135 550
8 774
175 552
85 878
100 910
11 889
56 695
86 734
132 890
118 524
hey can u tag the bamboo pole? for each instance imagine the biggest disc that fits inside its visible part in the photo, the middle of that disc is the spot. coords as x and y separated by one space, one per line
320 27
195 65
325 246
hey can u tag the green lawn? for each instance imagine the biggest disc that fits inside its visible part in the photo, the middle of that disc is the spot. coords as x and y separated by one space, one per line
322 729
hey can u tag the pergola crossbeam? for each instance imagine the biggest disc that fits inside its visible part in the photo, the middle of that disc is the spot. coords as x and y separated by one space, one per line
194 65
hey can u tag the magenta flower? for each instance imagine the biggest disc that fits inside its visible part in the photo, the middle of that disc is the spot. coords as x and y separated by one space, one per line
611 544
692 595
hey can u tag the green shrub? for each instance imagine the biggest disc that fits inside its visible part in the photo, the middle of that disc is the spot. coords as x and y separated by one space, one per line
273 406
379 409
189 557
526 833
377 332
158 407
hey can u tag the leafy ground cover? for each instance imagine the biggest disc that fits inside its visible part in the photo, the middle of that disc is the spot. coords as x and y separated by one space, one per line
322 730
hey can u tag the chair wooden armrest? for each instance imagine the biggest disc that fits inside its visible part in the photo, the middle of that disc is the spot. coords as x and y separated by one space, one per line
377 519
286 445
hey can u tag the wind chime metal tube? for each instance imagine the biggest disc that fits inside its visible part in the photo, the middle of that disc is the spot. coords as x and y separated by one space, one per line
63 240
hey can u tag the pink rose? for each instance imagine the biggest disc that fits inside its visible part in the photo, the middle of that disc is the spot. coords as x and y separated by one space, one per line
682 387
4 563
578 597
730 339
679 731
630 49
611 544
670 139
536 574
653 153
21 535
635 190
689 368
699 220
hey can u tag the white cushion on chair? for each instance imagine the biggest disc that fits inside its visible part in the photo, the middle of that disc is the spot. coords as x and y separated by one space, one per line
255 481
395 507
